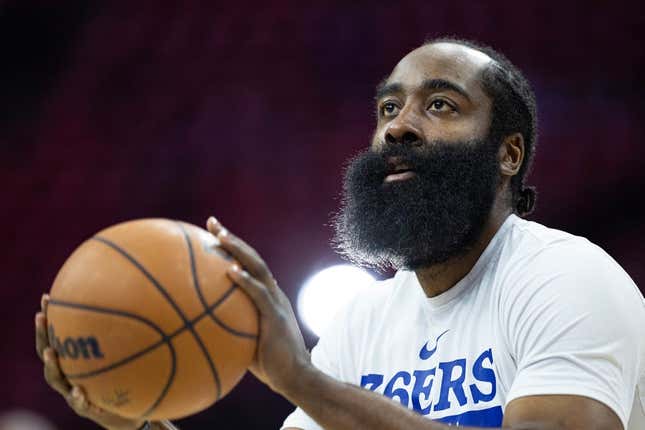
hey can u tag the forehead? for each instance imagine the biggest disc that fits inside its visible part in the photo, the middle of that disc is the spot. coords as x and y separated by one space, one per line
452 62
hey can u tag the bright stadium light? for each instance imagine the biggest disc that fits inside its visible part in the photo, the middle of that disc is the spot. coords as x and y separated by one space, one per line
327 291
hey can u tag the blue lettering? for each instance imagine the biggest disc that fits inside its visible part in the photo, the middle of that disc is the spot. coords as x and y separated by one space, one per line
401 393
420 387
55 342
447 384
371 381
71 349
89 347
417 386
86 347
484 374
491 417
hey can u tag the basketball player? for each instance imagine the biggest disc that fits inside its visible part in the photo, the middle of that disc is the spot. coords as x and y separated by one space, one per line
490 321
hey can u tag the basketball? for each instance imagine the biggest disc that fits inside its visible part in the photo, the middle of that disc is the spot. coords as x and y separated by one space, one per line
145 320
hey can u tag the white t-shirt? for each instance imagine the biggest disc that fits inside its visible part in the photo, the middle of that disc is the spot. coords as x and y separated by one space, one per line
541 312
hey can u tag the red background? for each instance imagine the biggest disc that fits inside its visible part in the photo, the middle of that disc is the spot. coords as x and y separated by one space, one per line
119 110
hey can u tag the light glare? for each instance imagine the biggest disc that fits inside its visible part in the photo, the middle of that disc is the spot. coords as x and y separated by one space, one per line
326 292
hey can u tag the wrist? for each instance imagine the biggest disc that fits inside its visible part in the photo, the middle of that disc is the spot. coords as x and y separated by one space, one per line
303 379
162 425
142 425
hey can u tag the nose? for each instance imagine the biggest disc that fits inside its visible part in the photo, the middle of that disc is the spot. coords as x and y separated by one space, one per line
401 130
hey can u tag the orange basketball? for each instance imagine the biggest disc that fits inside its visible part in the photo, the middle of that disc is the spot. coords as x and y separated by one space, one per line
145 320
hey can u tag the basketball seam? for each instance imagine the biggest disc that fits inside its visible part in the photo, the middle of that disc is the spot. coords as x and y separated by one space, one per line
169 382
146 321
164 339
170 300
200 294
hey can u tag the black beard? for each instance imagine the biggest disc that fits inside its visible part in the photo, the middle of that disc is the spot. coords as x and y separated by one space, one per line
428 219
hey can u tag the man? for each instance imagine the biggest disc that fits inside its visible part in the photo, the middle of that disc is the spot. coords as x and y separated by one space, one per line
491 320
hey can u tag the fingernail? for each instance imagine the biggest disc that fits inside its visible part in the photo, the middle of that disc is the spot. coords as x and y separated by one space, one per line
235 268
51 353
222 233
76 393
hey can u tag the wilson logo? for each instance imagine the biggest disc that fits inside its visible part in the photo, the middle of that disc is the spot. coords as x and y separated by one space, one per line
75 348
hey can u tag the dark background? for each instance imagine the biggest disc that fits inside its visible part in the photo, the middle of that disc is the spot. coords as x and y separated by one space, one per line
119 110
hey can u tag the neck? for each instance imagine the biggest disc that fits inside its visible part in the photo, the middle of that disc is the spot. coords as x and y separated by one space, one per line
439 278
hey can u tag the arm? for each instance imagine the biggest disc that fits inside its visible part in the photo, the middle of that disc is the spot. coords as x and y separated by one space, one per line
283 363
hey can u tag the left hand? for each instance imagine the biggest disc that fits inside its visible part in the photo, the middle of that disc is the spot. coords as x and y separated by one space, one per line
74 395
281 353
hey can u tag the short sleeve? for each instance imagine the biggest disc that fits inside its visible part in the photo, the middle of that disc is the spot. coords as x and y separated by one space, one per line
574 322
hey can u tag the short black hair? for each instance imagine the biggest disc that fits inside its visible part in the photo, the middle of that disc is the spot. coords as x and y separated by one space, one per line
514 110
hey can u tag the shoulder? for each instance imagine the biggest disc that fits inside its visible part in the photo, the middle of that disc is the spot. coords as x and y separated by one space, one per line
531 240
552 278
547 272
536 252
571 316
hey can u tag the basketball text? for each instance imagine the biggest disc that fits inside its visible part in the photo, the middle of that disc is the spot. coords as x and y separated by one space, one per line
74 348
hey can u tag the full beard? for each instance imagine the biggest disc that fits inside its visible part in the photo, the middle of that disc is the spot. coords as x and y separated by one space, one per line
436 215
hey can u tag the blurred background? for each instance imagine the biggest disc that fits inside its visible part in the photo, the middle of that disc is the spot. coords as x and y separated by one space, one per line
182 109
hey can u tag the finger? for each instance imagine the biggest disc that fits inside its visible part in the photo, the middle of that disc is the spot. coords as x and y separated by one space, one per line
241 251
53 374
77 400
254 288
42 341
245 255
213 225
44 303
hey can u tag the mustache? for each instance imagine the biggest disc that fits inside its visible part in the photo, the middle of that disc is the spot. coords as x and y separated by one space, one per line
380 160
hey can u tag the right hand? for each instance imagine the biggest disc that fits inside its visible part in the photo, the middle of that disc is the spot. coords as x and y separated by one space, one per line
75 397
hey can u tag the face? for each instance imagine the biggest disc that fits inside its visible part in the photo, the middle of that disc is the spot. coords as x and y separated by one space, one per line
435 94
423 191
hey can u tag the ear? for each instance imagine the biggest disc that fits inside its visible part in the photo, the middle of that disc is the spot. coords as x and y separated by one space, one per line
511 154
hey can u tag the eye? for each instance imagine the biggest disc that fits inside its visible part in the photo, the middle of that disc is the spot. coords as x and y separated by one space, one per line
389 109
441 106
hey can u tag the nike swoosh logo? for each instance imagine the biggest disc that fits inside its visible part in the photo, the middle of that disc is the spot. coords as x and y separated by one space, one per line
426 353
